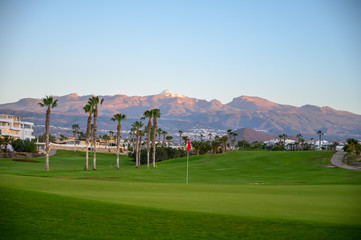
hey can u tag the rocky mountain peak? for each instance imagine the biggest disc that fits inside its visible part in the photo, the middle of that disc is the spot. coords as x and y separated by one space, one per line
168 93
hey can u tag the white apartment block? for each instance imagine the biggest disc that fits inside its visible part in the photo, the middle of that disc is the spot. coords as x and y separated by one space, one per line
14 127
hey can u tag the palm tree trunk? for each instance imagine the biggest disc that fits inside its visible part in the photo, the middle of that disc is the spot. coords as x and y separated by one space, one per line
148 142
118 143
88 130
95 137
154 138
140 150
136 151
230 141
47 123
74 140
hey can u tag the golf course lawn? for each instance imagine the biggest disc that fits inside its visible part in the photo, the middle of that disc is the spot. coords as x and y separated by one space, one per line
237 195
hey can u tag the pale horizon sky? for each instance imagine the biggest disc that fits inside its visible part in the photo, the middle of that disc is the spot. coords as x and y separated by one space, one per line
288 52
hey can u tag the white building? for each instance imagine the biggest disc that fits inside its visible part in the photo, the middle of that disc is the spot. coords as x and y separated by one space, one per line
14 127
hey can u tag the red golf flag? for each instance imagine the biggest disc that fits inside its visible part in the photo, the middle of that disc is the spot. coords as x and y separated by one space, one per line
189 146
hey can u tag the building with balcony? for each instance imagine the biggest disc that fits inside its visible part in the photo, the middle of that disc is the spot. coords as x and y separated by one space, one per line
14 127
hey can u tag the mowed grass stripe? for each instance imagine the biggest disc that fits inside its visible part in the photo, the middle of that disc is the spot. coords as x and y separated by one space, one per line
317 203
34 215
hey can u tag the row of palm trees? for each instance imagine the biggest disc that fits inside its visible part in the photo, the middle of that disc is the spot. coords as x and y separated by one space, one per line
92 109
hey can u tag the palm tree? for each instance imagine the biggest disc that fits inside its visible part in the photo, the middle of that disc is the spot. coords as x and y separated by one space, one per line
185 139
75 127
196 146
141 135
5 141
95 101
180 137
215 146
92 136
164 133
284 138
111 134
118 118
88 108
159 132
202 136
299 137
106 138
280 136
1 143
137 126
148 114
206 147
224 140
210 136
133 133
234 138
312 145
169 138
320 133
229 131
48 102
156 114
62 137
302 143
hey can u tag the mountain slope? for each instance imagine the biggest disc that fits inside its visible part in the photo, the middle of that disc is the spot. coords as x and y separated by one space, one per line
179 112
251 135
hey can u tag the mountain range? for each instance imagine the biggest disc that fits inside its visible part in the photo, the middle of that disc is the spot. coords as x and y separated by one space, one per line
179 112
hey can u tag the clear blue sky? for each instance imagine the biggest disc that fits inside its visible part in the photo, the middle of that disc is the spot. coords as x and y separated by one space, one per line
290 52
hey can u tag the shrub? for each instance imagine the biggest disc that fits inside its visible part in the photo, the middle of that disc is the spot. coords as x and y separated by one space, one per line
24 146
162 153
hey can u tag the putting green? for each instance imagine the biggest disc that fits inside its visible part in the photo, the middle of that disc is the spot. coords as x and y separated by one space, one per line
321 203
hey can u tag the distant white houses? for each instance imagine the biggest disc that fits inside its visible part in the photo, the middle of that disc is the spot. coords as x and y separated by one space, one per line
14 127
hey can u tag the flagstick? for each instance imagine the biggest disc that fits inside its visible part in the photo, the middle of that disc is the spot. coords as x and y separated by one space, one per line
187 168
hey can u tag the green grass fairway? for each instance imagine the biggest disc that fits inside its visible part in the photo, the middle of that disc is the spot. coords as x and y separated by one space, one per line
238 195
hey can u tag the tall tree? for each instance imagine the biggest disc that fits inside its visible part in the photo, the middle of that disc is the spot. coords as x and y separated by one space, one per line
111 134
118 118
106 138
75 127
229 131
185 139
169 138
159 132
156 114
299 137
5 141
320 133
148 114
284 138
141 135
137 126
215 146
88 108
48 102
312 143
210 136
95 101
180 137
196 146
164 133
223 141
234 134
